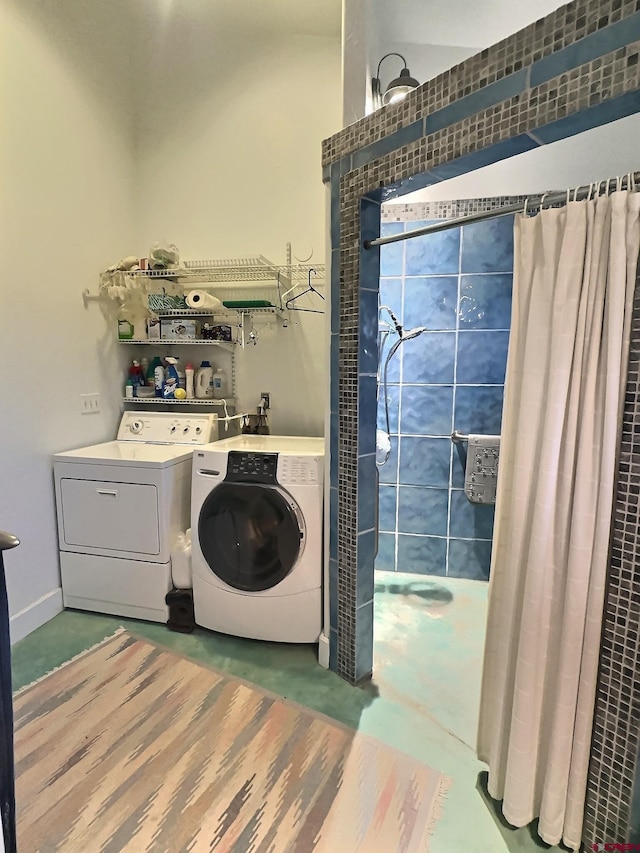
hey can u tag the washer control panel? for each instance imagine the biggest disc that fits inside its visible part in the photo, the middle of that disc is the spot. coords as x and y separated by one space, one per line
165 428
298 470
247 467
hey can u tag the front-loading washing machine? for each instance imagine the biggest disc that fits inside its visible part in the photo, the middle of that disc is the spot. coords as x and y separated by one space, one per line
256 534
120 506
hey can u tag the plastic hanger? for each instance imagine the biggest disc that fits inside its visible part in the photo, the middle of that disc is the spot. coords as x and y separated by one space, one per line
309 289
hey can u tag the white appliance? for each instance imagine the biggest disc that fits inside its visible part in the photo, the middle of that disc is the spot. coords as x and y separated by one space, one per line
256 537
120 506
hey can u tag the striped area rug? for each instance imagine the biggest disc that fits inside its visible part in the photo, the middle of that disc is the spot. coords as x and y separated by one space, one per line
133 748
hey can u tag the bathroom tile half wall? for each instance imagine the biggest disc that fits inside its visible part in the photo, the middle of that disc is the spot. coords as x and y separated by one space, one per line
458 284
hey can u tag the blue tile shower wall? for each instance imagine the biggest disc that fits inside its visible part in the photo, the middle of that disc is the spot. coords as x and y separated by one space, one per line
458 284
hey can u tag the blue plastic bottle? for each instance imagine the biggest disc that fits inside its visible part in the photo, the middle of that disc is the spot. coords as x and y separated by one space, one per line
170 378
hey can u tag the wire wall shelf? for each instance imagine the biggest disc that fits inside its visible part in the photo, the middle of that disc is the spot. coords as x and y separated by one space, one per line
229 346
212 272
161 401
222 313
256 286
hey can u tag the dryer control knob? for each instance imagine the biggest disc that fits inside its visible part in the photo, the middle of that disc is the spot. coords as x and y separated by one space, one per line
186 429
173 428
198 430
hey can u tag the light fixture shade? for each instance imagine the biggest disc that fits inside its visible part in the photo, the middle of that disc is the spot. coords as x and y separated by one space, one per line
400 87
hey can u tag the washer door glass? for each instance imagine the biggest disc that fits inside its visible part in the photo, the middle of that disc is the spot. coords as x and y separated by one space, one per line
249 535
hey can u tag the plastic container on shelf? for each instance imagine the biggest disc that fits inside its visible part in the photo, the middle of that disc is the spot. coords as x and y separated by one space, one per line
144 364
188 375
136 375
151 371
158 377
125 330
220 389
170 378
204 382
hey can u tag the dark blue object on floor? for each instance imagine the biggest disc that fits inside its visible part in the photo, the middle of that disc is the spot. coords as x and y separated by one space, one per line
7 781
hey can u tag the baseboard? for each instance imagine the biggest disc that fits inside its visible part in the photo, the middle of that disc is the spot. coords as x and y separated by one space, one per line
35 614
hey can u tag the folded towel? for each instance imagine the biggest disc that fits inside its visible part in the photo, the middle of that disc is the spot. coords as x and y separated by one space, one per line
383 447
481 473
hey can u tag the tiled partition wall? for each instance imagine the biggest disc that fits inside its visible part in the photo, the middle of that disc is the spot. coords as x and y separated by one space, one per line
458 284
575 69
616 740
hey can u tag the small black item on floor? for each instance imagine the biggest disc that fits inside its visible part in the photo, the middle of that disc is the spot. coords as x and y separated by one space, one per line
181 615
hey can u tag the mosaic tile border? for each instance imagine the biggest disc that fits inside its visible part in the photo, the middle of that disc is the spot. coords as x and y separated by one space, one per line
576 69
446 209
544 49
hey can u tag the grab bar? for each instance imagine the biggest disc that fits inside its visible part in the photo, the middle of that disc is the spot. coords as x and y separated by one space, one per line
458 437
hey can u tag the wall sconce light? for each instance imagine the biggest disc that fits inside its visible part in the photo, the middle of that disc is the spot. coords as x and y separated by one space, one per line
397 89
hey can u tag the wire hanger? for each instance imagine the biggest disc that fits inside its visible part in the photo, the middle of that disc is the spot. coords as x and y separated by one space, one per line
309 289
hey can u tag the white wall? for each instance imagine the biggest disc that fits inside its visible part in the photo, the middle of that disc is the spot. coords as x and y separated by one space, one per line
121 124
431 36
66 149
229 146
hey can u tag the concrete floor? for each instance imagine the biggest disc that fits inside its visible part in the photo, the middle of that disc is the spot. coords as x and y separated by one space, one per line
423 698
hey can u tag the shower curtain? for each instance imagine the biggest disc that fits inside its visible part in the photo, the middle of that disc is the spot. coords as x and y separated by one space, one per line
575 271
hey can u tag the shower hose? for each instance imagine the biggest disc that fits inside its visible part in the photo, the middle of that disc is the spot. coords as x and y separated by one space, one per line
402 337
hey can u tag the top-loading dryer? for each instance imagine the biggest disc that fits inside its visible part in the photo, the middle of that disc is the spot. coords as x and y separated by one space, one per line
256 537
120 506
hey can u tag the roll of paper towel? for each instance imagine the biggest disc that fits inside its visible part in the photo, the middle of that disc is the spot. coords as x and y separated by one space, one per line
202 299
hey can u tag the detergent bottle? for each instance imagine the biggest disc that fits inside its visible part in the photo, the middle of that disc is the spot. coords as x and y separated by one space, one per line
204 381
170 378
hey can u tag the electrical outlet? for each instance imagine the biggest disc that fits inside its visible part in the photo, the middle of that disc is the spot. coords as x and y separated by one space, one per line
265 395
89 404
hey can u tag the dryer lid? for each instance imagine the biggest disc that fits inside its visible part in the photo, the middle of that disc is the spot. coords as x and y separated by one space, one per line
128 453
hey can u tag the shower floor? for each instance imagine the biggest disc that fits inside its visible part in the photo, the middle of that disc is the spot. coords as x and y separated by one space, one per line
438 625
423 698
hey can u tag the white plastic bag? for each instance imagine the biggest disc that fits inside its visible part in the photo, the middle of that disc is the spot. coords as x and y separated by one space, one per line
164 256
181 561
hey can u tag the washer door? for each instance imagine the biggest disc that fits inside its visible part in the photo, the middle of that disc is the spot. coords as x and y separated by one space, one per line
250 535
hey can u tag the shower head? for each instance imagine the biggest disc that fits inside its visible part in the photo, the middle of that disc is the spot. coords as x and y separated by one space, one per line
414 333
393 318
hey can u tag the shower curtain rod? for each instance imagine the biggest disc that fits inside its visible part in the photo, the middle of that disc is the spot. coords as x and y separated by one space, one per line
531 203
